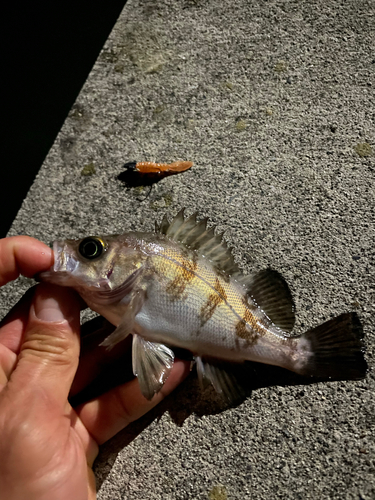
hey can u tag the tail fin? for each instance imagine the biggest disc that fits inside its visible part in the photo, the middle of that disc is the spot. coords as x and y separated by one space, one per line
336 349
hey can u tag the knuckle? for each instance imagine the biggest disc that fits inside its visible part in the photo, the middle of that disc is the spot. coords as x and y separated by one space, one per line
52 345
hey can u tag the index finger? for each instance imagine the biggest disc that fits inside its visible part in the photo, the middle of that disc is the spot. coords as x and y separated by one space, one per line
23 255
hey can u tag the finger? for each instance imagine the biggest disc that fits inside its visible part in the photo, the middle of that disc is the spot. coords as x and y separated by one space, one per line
49 352
23 255
106 415
91 481
14 323
89 445
8 360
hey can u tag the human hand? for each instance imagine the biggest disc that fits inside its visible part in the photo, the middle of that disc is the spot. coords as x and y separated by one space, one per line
47 447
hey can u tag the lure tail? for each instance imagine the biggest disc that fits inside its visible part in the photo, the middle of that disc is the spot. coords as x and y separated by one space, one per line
335 349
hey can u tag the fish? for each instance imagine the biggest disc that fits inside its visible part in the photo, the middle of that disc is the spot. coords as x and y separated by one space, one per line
180 288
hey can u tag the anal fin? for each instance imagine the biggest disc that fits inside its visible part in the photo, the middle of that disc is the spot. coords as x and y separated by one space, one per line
222 379
152 364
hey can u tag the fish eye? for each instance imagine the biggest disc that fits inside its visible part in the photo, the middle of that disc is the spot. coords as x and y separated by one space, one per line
91 248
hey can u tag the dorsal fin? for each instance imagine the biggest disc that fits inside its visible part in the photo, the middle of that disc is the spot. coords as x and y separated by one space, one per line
271 293
195 236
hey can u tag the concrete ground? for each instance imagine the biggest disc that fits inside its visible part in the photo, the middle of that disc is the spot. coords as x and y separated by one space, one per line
274 102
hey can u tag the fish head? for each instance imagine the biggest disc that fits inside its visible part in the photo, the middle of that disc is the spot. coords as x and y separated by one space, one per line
94 263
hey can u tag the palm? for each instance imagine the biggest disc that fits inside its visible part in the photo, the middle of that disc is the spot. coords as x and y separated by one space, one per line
53 460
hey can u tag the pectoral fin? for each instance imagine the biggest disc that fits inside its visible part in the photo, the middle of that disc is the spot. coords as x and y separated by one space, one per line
152 364
220 376
127 321
109 296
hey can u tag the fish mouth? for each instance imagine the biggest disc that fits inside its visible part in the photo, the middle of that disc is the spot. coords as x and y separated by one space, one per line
56 248
59 249
65 263
65 258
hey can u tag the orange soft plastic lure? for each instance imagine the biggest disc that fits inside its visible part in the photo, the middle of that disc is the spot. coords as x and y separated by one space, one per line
146 173
160 169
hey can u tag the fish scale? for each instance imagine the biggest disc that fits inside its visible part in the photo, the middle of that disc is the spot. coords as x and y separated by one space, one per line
180 287
216 304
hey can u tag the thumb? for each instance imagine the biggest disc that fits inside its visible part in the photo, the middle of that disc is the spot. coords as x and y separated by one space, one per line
49 353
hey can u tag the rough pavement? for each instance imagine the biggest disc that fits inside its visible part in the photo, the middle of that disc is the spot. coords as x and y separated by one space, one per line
274 102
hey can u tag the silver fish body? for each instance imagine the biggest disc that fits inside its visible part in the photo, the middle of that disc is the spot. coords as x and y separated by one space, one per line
180 287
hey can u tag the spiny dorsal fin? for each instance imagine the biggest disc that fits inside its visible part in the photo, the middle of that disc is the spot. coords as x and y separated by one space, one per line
195 236
164 224
271 293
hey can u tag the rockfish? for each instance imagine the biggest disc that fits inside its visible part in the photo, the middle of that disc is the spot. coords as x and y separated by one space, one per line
180 287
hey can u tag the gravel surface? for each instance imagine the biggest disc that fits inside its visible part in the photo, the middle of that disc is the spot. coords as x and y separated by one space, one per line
274 103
